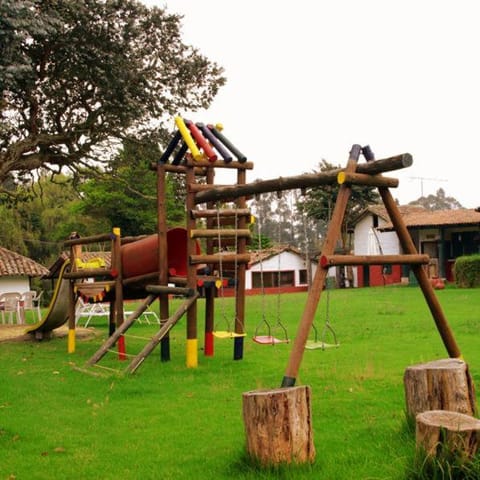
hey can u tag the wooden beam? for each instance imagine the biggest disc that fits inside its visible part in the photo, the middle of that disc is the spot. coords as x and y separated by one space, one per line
302 181
327 261
367 180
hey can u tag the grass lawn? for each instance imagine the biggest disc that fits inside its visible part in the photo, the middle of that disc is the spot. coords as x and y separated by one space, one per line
171 422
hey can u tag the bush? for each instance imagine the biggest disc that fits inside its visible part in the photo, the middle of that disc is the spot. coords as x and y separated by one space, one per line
467 271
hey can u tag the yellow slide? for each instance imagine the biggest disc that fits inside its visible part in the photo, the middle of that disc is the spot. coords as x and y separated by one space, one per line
57 313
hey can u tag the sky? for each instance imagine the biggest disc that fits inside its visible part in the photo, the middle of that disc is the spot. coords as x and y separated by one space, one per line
307 79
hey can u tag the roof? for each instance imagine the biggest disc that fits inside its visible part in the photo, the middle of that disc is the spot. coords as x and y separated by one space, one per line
381 211
438 218
257 256
14 264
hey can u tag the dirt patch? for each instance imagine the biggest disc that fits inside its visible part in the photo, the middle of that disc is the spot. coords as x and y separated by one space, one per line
16 333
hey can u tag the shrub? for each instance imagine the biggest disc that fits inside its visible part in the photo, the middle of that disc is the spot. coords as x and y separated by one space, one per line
467 271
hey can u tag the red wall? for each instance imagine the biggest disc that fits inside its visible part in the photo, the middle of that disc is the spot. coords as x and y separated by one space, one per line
376 277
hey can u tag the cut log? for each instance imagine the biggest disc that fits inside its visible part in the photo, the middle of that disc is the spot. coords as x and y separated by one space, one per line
439 385
278 425
446 434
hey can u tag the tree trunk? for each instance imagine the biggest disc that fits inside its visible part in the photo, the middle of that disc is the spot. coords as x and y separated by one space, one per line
445 434
439 385
278 425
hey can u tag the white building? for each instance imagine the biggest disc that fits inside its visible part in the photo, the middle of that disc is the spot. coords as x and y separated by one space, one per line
281 266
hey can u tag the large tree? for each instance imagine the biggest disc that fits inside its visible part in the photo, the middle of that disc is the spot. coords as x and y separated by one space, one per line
77 77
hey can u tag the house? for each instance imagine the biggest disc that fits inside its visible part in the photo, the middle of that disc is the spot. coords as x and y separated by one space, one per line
283 266
444 235
16 271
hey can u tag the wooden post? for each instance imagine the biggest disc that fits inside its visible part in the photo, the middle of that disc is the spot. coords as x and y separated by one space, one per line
439 385
446 434
278 425
314 294
164 308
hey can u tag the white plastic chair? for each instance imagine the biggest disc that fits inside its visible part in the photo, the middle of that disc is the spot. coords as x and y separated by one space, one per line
31 301
90 310
10 304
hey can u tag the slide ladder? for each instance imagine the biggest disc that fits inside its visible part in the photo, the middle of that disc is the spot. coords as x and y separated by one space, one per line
166 325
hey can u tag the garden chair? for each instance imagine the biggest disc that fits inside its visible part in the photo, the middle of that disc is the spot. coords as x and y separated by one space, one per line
90 310
30 301
10 304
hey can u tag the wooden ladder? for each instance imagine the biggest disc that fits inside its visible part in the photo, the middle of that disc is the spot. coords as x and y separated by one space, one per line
166 326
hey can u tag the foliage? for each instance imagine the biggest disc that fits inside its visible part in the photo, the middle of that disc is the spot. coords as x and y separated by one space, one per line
127 196
46 220
467 271
438 202
78 77
445 465
319 202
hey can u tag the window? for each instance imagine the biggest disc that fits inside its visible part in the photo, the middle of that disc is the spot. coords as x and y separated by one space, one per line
271 279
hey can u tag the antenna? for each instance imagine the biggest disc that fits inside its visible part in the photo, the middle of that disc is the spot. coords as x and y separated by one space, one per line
423 179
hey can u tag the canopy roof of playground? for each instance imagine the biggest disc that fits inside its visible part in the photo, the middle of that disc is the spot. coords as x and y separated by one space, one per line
55 268
14 264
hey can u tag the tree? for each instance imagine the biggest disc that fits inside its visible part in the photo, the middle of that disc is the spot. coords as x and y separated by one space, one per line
438 202
76 78
127 196
318 203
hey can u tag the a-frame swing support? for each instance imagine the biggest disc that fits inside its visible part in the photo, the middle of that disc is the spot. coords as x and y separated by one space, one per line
346 178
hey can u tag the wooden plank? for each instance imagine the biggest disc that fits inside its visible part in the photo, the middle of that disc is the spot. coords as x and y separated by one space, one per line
367 180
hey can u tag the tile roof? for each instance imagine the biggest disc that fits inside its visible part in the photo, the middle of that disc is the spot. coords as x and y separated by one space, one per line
13 264
257 256
419 217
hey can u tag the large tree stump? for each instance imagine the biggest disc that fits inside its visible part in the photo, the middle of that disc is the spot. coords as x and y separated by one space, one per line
439 385
446 435
278 425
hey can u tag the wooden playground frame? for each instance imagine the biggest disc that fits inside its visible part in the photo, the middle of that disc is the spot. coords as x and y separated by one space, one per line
212 223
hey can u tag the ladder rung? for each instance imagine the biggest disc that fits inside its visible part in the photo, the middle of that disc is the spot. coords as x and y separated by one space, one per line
212 213
225 233
220 257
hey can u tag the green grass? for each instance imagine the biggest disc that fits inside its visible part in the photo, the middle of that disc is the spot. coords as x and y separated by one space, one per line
171 422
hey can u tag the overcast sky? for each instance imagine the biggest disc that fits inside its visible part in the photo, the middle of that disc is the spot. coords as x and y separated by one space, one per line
306 79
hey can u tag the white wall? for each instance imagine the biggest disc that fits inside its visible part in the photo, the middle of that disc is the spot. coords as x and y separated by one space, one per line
285 261
14 284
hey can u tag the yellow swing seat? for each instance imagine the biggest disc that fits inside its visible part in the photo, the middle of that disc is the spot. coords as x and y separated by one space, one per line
227 334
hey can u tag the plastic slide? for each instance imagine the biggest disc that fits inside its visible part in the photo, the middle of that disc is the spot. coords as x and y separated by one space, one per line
57 313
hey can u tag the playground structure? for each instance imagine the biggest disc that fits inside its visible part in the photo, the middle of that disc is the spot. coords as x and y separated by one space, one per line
172 263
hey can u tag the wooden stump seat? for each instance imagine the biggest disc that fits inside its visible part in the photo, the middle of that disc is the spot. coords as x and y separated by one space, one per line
439 385
278 425
440 432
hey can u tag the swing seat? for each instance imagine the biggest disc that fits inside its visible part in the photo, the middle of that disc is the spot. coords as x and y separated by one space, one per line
268 340
227 334
315 345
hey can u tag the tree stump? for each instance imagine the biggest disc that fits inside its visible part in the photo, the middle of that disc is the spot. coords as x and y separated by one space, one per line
278 425
446 434
439 385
